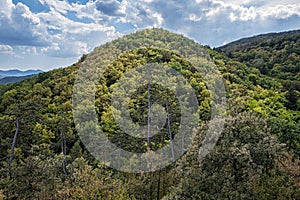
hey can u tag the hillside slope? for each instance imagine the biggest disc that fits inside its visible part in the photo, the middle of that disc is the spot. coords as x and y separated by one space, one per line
274 54
48 160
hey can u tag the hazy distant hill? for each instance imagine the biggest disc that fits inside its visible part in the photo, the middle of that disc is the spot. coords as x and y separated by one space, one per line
15 75
13 79
16 72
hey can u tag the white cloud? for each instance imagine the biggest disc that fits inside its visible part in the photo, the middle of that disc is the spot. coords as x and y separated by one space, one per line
26 50
6 49
250 10
18 26
110 7
73 38
88 11
55 20
68 49
6 7
193 17
61 6
215 21
281 11
32 51
51 32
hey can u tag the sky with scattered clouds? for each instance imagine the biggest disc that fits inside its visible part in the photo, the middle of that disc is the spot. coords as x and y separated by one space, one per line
47 34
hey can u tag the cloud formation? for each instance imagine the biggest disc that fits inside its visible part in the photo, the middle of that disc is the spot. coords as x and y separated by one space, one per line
110 8
6 49
215 22
68 28
18 26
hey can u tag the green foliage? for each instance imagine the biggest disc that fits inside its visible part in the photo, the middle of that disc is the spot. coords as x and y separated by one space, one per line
138 104
37 177
261 76
241 166
275 186
276 55
88 183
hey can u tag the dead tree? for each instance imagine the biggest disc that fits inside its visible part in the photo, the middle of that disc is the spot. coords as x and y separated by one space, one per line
149 120
12 152
64 151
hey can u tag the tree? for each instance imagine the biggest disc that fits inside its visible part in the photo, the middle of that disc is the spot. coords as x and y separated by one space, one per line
1 195
88 183
244 157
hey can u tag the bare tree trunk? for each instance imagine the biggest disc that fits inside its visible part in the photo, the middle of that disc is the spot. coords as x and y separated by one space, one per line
12 152
64 151
182 143
151 186
160 170
171 138
119 155
158 184
149 112
149 135
170 132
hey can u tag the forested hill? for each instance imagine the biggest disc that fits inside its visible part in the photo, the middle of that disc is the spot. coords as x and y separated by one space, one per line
256 156
246 43
274 54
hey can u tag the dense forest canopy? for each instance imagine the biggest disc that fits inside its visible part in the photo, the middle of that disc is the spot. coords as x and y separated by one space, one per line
276 55
256 156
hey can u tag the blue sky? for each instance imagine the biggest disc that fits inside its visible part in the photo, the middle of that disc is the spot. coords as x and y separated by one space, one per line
47 34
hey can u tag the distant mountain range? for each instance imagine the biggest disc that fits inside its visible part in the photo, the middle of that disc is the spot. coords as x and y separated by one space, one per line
15 75
16 72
